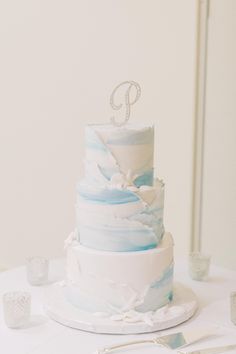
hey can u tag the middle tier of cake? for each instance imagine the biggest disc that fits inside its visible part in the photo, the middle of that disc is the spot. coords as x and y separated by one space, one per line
120 220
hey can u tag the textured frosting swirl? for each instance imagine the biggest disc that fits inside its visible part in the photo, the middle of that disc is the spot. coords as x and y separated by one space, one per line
125 219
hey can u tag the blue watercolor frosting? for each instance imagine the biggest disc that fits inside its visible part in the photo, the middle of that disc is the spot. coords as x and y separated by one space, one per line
145 179
161 289
106 195
132 137
117 239
166 277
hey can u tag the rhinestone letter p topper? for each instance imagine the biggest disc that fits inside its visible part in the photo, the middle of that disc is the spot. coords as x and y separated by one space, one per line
127 101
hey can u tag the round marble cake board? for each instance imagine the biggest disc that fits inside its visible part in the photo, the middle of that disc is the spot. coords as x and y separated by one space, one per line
58 308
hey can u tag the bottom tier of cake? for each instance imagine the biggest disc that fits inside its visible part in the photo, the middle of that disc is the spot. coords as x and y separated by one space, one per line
117 282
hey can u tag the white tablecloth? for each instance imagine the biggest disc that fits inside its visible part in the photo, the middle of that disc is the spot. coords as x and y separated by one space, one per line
44 336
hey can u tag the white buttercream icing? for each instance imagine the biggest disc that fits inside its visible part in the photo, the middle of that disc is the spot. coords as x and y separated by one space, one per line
120 282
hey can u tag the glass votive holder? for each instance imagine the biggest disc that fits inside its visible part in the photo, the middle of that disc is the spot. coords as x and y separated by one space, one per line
233 307
199 265
16 307
37 270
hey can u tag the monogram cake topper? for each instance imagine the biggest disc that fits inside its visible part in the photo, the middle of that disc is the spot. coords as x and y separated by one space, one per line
128 102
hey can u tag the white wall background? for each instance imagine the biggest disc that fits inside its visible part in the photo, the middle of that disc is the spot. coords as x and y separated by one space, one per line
219 192
59 62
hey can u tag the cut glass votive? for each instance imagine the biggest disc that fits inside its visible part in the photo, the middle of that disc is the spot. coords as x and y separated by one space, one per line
199 265
233 307
16 307
37 270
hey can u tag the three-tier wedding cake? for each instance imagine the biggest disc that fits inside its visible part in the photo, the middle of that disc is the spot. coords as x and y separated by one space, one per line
119 259
119 272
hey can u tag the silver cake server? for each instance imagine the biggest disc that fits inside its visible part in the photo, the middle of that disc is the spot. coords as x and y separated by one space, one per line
216 350
171 341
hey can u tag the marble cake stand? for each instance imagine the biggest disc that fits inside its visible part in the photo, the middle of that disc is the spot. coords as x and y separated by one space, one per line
59 309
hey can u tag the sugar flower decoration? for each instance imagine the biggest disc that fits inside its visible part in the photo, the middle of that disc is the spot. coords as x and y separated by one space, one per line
121 180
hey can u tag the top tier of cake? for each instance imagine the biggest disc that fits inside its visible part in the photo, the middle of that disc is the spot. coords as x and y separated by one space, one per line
120 155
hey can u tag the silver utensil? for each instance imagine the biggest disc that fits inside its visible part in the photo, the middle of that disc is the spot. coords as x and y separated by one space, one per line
216 350
171 341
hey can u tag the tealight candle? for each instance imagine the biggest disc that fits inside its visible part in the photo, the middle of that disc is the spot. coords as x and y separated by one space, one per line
37 270
16 306
199 265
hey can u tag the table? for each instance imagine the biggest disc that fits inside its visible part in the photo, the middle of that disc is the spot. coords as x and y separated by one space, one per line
44 336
